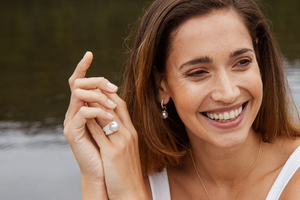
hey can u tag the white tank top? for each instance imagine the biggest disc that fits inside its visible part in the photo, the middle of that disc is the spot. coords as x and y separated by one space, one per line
161 191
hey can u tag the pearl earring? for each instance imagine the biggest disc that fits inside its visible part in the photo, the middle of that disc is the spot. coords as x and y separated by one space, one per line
164 113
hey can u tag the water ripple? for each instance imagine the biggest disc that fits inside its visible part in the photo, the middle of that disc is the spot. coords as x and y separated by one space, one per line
30 135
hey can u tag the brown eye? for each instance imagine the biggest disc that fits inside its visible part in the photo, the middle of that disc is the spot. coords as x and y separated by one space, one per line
244 62
197 73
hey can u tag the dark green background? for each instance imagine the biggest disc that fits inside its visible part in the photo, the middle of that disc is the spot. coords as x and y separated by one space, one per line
42 41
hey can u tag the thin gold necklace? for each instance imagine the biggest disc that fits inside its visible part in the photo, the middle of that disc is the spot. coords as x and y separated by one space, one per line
243 182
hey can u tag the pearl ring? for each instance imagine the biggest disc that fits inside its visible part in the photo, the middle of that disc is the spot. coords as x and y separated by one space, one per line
111 127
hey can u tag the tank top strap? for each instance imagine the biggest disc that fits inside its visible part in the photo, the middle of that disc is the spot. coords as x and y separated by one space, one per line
161 191
287 172
160 185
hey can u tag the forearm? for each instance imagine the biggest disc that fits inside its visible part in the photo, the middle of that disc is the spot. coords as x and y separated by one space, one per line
91 190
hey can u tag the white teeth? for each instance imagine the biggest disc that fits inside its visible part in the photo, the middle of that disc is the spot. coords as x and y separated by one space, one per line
236 112
225 115
221 116
232 114
216 116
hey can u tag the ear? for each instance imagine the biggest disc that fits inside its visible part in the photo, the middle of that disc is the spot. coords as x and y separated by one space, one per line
163 92
162 87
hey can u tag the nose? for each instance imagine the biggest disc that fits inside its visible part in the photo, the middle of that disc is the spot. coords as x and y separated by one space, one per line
225 88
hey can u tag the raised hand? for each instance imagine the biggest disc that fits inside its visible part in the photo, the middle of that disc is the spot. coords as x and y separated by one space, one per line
120 154
110 165
85 150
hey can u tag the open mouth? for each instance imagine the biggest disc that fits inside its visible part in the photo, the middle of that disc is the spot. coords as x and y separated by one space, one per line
225 116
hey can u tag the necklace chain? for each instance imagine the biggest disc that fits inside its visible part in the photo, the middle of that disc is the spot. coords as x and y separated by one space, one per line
243 182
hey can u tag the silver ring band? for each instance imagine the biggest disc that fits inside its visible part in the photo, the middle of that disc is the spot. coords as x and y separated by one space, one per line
111 127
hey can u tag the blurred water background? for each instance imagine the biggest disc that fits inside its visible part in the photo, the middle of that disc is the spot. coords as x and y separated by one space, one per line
40 45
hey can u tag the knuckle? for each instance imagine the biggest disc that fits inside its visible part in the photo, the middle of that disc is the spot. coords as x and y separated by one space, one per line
66 131
65 123
82 110
115 154
77 92
122 103
71 81
130 139
76 83
101 81
123 145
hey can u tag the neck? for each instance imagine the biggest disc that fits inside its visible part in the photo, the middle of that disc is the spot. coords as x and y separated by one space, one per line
229 166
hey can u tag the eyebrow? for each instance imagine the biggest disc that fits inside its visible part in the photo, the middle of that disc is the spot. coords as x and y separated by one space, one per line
240 52
206 59
197 61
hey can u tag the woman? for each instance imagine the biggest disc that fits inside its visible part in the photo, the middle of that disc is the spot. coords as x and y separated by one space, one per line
205 115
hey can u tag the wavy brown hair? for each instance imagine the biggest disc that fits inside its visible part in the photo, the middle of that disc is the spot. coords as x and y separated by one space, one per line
163 142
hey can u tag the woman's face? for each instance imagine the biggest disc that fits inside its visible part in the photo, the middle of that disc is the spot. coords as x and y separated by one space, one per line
213 78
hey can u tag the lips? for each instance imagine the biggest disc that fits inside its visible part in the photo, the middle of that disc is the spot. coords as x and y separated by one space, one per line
224 116
232 116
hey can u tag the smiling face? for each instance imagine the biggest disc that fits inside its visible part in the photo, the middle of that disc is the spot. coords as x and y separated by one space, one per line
213 78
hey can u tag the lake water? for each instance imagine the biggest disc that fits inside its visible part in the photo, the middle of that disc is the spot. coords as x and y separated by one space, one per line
40 44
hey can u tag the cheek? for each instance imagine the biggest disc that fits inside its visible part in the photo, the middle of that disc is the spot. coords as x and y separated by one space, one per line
253 84
187 97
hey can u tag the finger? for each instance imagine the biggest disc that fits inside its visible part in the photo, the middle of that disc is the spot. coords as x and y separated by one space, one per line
74 106
122 111
122 134
81 68
93 97
102 122
126 129
85 113
80 98
99 83
97 133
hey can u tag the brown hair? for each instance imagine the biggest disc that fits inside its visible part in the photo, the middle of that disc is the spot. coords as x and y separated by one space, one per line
163 142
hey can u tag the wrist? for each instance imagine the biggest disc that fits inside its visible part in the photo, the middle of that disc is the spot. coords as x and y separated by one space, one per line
93 189
137 193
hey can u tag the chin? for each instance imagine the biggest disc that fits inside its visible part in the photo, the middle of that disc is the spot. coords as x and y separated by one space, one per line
230 140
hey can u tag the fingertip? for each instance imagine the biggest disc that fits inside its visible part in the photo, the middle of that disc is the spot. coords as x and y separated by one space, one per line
109 115
111 103
112 87
88 56
87 53
85 62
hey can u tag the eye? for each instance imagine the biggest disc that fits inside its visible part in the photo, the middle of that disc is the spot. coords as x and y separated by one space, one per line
243 63
197 73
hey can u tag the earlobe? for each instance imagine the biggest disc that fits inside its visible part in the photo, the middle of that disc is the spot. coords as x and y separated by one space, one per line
164 112
164 98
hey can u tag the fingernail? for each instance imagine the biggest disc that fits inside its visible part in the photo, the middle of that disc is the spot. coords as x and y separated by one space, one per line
111 86
110 115
113 104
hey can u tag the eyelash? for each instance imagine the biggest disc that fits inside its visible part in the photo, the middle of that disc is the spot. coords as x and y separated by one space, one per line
197 73
244 62
200 73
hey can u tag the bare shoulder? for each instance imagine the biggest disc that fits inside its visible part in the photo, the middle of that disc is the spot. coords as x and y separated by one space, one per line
284 147
291 145
292 189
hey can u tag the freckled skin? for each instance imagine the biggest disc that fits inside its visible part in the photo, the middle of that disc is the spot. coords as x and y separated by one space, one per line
223 83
